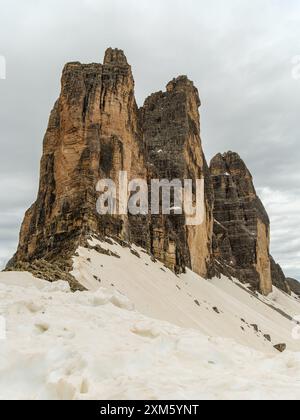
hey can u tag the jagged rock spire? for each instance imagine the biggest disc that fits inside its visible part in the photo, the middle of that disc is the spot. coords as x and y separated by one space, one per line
115 57
95 131
242 226
171 132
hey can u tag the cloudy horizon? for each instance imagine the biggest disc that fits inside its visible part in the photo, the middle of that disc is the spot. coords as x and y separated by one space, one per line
243 57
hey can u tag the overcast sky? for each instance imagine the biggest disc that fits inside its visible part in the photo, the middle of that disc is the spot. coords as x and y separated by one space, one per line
238 52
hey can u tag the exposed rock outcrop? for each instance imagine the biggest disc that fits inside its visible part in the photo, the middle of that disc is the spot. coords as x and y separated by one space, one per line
278 278
280 347
242 227
171 130
294 285
95 131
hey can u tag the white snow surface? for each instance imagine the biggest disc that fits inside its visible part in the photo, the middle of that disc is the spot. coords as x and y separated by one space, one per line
189 301
143 333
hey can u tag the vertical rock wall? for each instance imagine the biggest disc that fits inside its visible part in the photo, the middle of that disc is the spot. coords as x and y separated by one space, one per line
241 227
171 129
95 131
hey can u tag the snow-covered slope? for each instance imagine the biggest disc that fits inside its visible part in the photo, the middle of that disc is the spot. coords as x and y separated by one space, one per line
141 332
218 308
93 345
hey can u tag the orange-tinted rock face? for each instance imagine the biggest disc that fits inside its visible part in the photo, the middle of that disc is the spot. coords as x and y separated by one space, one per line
95 131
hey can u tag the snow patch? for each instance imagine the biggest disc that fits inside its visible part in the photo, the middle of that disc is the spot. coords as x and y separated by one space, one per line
89 346
158 293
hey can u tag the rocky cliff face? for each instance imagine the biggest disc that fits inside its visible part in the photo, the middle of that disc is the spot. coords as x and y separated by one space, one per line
95 131
242 227
294 285
171 130
278 278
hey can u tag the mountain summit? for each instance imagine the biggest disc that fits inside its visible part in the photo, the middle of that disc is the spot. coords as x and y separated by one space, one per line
95 132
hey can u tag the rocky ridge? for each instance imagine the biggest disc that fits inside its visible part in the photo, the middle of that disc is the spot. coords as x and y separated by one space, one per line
95 131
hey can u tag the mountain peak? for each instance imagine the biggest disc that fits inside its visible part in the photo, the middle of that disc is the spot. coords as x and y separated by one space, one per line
114 56
97 131
184 84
